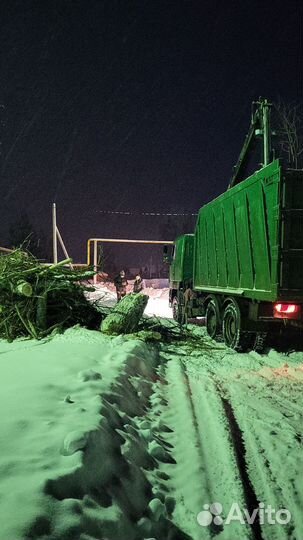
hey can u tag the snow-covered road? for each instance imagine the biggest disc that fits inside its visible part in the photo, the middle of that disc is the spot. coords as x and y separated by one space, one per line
237 439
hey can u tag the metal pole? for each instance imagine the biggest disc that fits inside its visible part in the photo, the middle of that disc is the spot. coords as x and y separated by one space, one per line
63 246
128 241
55 251
95 261
88 253
266 132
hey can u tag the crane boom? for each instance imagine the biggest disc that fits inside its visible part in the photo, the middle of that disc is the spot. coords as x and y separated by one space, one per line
259 126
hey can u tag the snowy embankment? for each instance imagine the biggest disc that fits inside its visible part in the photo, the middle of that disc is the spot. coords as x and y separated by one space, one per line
50 396
80 455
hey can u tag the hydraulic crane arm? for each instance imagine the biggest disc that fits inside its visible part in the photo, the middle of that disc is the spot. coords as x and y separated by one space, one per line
259 126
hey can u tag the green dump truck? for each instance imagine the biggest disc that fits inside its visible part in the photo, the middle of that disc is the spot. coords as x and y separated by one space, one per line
243 267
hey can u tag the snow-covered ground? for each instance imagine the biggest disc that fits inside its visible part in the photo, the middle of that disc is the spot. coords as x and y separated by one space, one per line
114 438
158 303
241 440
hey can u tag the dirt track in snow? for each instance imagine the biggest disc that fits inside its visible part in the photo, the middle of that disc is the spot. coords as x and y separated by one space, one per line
237 437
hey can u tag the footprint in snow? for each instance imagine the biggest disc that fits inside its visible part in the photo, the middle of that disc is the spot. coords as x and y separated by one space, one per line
89 375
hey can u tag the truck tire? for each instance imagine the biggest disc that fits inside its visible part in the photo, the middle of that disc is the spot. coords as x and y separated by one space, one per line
213 325
234 337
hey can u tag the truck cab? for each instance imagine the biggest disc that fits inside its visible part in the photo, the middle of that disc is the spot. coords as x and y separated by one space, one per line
181 273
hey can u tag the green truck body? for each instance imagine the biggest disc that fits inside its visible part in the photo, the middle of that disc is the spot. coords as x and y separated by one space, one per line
249 241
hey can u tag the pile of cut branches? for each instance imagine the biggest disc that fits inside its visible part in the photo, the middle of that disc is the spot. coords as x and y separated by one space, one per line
168 329
36 299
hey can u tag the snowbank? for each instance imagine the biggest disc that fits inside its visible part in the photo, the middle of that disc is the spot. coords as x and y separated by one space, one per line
79 457
49 395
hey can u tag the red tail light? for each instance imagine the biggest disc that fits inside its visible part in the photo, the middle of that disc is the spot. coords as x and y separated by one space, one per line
287 311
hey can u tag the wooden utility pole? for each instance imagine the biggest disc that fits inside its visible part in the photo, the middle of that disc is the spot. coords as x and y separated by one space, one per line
54 223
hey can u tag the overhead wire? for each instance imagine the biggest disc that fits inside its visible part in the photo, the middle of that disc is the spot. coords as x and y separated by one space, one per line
115 212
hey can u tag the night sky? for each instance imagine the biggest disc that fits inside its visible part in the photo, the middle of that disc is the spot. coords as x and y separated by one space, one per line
133 106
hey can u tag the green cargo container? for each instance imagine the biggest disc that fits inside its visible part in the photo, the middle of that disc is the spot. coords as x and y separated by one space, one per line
249 241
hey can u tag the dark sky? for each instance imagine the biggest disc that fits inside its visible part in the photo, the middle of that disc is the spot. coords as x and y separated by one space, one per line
134 106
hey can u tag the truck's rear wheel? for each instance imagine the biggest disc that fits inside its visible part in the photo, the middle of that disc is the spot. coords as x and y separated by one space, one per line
233 335
213 326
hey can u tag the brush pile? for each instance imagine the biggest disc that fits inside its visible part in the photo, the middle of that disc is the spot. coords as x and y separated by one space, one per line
36 299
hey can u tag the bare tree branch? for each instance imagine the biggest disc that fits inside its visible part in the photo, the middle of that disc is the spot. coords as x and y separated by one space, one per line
289 131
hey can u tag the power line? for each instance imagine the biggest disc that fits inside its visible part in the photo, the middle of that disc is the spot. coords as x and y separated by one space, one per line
143 213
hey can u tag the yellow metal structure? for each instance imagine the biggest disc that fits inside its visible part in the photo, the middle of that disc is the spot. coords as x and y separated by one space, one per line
95 242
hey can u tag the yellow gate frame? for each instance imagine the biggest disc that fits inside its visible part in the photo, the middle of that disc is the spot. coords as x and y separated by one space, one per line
115 240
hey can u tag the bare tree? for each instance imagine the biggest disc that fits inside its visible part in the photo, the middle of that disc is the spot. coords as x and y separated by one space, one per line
289 131
23 234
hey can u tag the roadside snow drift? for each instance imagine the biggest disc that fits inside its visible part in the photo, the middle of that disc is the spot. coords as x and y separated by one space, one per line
79 457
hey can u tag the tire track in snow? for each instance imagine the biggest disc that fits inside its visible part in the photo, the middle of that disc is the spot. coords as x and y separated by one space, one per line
211 466
239 448
264 407
188 476
273 456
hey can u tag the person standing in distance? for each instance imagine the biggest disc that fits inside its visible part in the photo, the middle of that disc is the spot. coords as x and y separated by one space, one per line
121 283
138 284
